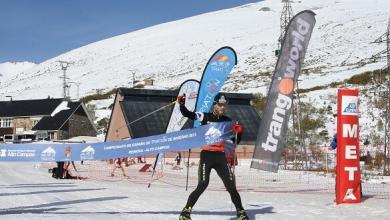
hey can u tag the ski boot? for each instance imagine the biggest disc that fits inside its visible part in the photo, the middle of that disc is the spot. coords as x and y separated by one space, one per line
185 214
241 215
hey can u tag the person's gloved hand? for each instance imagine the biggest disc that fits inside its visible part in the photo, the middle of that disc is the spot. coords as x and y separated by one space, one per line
181 99
237 128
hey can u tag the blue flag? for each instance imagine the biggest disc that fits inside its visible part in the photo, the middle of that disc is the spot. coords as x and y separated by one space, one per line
214 76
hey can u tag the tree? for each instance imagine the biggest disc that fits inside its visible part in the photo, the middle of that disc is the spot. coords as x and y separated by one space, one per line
259 102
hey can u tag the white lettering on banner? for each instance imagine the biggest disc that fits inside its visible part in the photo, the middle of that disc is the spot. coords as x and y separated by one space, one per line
212 87
350 152
159 148
351 172
283 103
181 137
298 38
349 195
350 132
21 153
290 69
136 151
115 147
146 143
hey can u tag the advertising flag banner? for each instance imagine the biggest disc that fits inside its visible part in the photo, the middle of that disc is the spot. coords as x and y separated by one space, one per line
271 137
189 89
214 76
348 182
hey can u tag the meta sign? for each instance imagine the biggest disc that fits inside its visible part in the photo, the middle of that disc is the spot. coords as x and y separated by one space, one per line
348 183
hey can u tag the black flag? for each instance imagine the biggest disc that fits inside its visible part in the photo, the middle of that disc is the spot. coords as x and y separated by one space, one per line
271 138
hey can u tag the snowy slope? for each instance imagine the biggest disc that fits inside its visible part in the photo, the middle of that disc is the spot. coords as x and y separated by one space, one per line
9 69
340 47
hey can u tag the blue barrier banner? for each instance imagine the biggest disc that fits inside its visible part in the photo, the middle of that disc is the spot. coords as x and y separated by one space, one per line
214 76
175 141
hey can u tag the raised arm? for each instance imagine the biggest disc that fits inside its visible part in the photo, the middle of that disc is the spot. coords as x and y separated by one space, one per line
183 109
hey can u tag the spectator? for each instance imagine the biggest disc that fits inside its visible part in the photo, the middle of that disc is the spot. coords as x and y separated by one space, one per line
178 158
333 144
118 163
139 160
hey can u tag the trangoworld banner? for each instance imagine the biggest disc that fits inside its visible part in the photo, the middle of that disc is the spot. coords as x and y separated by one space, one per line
174 141
271 138
348 182
214 76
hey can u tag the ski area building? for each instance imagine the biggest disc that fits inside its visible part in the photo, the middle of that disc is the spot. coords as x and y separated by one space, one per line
144 112
44 119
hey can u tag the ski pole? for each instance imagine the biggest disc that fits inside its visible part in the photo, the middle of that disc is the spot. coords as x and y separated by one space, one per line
154 170
188 167
234 154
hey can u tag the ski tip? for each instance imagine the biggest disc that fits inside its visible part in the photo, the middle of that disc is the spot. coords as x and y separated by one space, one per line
149 185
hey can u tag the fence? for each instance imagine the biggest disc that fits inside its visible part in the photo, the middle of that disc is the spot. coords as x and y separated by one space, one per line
298 173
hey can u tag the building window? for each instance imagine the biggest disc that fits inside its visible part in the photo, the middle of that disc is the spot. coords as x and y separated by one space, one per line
6 123
51 135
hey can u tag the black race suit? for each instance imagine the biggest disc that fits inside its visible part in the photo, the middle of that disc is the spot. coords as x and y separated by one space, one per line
212 159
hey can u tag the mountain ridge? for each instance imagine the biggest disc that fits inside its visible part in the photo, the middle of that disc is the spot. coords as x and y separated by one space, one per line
175 51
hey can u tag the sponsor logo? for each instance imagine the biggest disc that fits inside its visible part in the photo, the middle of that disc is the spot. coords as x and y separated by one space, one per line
349 105
3 152
193 95
220 63
20 153
192 85
189 87
280 112
49 154
213 136
87 153
283 104
221 58
286 86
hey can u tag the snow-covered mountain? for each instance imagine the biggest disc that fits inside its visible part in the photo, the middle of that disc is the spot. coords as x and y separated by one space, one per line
173 52
9 69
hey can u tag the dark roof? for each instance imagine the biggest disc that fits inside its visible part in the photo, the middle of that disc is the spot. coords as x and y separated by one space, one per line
28 107
148 93
56 122
140 102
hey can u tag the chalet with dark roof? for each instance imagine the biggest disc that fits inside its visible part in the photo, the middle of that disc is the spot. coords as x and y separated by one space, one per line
44 119
131 118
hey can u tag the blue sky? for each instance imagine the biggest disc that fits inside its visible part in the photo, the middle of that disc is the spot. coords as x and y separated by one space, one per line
36 30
